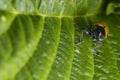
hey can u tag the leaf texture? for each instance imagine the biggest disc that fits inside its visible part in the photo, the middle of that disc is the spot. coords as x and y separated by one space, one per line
39 40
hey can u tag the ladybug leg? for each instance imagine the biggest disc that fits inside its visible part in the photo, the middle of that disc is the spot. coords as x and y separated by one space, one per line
96 46
81 36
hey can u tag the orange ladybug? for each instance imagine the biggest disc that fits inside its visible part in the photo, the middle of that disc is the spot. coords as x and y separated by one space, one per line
99 31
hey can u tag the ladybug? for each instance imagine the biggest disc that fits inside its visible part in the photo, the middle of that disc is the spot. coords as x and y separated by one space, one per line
98 32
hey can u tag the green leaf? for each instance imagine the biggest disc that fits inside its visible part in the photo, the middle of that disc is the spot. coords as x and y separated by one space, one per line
62 65
20 49
40 40
113 8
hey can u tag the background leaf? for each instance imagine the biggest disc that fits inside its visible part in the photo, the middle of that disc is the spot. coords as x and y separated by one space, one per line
38 40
